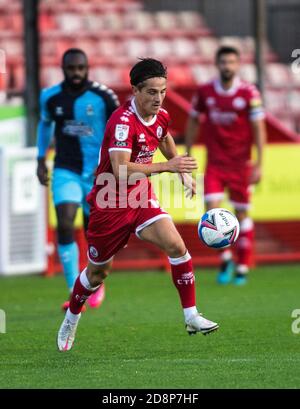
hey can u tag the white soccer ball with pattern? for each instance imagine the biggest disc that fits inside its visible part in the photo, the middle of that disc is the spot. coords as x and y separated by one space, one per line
218 228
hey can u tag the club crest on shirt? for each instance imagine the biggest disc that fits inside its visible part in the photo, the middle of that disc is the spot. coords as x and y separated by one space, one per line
121 132
93 252
159 132
239 103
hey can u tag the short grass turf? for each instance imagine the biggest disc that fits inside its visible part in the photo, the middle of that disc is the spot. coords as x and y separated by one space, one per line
137 338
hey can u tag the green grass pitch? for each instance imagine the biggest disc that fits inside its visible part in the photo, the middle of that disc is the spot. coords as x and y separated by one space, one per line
137 338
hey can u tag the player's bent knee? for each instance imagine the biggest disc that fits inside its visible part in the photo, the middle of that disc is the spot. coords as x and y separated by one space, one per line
98 273
176 249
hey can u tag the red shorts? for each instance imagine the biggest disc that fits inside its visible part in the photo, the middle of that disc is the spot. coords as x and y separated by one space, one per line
109 229
216 179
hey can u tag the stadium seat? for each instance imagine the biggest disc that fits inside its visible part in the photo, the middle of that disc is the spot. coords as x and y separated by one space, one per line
165 20
180 75
295 76
110 76
275 100
51 76
87 45
203 73
160 48
112 21
183 48
189 19
12 48
69 23
207 47
278 74
46 22
293 101
109 48
92 23
231 41
140 21
135 47
248 73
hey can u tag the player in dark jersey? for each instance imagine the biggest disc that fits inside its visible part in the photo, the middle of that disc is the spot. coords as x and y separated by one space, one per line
234 121
123 202
75 112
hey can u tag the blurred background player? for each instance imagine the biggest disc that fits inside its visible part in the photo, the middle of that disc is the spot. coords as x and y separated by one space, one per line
132 135
76 112
234 120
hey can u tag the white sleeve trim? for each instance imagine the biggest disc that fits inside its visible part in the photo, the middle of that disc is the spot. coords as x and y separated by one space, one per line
120 149
257 116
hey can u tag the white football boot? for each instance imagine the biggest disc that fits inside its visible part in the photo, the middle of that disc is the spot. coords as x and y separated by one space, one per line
66 334
197 323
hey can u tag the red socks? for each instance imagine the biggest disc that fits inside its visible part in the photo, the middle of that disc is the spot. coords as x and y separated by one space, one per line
81 292
184 279
245 242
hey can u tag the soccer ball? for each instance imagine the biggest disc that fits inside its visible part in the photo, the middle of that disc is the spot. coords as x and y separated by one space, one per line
218 228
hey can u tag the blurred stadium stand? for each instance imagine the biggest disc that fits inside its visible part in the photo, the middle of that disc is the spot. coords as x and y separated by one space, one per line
114 33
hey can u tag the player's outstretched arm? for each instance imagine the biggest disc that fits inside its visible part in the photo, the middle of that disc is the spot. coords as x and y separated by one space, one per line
167 147
44 136
191 132
122 167
169 150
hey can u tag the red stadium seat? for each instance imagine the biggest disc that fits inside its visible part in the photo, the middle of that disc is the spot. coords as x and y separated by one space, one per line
46 22
180 75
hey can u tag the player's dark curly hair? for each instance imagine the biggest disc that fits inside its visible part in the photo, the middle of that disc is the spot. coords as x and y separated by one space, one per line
226 50
146 68
73 51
